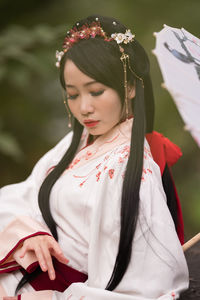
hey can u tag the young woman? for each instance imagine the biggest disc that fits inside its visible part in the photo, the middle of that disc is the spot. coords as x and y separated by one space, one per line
92 221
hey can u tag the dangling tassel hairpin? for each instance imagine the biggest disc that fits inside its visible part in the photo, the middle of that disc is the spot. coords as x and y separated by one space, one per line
124 58
135 73
68 110
126 61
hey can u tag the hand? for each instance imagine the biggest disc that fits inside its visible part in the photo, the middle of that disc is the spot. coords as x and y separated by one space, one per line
10 298
45 247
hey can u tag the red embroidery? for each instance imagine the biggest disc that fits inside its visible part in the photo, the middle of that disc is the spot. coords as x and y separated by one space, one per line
98 175
126 149
145 172
74 162
49 170
108 142
121 156
111 173
148 152
88 154
173 296
123 153
121 160
82 183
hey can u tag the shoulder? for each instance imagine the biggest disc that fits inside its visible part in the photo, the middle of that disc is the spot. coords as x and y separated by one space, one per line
151 170
153 202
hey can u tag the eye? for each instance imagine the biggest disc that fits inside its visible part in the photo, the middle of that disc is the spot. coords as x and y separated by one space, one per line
72 97
95 94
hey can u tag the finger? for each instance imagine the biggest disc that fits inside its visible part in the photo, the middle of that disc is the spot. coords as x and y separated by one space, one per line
49 263
23 251
41 259
57 252
26 247
61 258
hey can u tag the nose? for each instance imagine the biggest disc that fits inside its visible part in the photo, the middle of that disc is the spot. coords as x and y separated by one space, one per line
86 105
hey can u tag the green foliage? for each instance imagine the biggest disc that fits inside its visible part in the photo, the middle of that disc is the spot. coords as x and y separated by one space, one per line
9 146
18 47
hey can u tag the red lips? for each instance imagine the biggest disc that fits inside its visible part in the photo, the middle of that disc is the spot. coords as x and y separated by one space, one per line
90 123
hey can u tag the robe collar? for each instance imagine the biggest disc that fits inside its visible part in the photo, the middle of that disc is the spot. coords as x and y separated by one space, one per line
118 135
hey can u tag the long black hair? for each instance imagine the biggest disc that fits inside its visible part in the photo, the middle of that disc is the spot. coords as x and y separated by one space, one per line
100 60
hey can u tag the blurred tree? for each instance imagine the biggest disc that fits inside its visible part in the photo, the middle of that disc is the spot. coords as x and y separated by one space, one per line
28 94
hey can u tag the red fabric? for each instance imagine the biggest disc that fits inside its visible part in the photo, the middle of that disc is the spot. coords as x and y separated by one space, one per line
165 152
32 267
7 265
65 276
9 270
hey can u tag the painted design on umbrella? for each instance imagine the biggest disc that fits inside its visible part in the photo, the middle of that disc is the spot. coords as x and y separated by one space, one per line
178 54
187 57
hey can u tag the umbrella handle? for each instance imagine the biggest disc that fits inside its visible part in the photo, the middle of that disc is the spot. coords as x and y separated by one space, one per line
191 242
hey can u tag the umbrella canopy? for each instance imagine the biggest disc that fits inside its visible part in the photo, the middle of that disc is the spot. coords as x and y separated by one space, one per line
178 54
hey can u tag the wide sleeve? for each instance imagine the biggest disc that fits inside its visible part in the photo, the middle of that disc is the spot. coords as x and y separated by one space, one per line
157 270
20 217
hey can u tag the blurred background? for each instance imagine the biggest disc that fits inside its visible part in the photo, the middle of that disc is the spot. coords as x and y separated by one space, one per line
32 116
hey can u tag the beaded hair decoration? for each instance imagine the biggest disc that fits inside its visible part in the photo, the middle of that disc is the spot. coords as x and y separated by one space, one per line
91 31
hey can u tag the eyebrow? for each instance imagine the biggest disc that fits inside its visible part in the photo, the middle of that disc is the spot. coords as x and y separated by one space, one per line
86 84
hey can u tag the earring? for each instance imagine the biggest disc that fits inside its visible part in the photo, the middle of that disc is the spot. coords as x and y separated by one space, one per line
68 110
69 115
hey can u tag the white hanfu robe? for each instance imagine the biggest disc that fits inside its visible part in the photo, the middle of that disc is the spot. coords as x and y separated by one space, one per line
85 204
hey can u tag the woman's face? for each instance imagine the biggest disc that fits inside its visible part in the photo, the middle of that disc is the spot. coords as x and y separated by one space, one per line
96 106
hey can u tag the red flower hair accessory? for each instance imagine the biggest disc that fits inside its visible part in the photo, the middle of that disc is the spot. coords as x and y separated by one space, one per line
75 35
91 31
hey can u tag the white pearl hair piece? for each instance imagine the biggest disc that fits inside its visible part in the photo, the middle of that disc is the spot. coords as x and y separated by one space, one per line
114 23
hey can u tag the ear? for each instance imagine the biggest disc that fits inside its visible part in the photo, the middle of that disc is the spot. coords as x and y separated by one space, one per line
131 92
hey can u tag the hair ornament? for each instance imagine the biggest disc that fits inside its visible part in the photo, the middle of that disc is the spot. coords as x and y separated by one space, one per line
59 55
91 31
75 35
125 38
